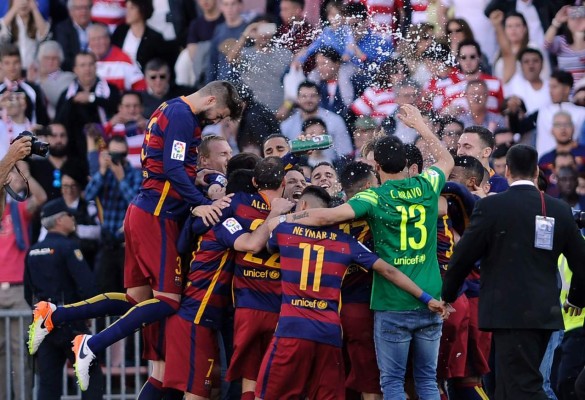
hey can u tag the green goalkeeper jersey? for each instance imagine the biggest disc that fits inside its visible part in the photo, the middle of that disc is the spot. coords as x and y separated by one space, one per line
403 217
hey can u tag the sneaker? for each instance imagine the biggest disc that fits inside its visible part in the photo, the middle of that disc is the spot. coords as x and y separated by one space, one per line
83 359
41 325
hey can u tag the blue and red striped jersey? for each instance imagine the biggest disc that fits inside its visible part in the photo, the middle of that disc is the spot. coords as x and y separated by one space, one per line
445 240
207 295
256 276
313 262
357 284
169 161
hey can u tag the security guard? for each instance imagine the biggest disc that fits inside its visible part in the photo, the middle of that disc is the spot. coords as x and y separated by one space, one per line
56 271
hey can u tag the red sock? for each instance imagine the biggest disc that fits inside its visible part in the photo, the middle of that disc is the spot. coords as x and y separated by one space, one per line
248 396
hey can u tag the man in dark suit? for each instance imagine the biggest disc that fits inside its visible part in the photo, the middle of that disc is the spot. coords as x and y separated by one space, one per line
71 33
518 235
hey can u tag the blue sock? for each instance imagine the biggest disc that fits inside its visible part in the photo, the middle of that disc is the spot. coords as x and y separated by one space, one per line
152 390
99 306
144 313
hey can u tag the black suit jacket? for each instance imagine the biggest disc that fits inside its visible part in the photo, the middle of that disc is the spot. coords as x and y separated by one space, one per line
546 9
152 45
520 286
66 34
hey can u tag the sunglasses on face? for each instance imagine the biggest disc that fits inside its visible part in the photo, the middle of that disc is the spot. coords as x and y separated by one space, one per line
470 57
159 76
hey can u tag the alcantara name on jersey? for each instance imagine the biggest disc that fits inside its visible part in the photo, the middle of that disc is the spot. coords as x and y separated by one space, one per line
419 258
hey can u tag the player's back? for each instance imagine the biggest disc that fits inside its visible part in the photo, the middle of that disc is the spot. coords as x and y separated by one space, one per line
256 276
357 284
313 263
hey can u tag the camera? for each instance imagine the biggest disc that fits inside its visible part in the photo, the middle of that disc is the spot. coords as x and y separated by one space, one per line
579 217
117 158
577 12
38 148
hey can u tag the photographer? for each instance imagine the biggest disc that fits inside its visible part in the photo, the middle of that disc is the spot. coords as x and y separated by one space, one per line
17 151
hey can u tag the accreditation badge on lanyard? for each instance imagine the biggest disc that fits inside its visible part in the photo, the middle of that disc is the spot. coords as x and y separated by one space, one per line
544 229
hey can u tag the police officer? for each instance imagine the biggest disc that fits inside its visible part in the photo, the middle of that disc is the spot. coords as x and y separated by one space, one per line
56 271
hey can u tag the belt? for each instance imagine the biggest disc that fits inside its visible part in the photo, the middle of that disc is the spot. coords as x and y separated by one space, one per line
8 285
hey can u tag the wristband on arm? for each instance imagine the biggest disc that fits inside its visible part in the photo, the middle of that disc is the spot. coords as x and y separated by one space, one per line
425 297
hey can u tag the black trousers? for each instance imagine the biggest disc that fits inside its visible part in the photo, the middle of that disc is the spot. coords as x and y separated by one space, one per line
518 355
571 364
51 357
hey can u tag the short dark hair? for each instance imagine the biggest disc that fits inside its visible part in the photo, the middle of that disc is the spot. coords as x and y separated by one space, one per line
156 64
530 50
354 174
563 77
485 135
355 9
390 154
522 161
240 180
84 53
414 156
330 53
308 84
501 150
326 164
563 154
9 50
242 161
319 193
269 173
469 42
312 121
145 8
118 139
227 95
542 181
301 3
472 166
131 93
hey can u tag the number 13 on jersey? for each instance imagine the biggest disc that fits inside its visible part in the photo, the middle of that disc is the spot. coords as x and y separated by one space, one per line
409 214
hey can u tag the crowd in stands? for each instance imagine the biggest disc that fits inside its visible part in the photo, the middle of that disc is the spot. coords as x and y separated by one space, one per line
85 76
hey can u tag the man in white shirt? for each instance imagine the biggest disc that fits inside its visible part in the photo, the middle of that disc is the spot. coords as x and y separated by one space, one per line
308 103
529 86
560 86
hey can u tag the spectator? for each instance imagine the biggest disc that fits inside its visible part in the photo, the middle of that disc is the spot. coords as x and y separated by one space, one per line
295 32
138 40
407 92
528 85
538 14
567 45
563 132
111 13
513 38
130 123
72 32
24 26
476 94
11 66
560 86
17 150
114 185
364 129
458 31
113 65
159 86
59 273
47 73
441 65
14 120
171 18
198 43
468 57
308 102
504 136
316 127
47 171
224 37
87 99
261 65
14 242
450 134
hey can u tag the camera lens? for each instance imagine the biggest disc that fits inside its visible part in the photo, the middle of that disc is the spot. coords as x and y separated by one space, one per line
40 148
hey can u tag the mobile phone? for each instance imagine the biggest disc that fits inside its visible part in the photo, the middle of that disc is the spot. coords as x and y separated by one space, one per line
577 12
267 29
